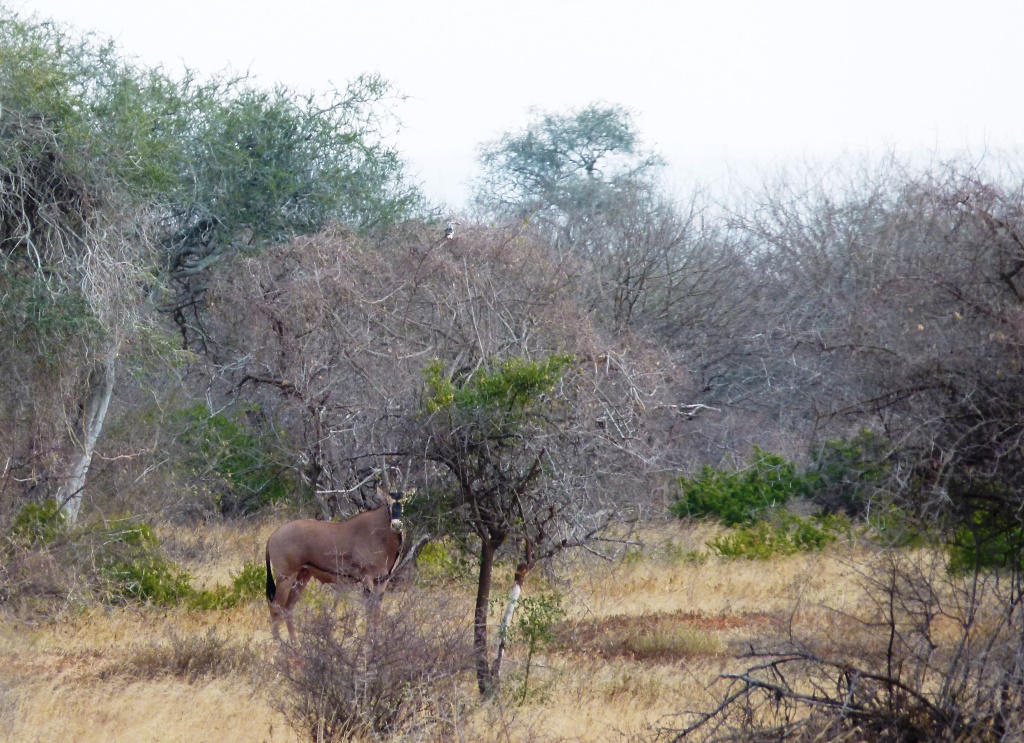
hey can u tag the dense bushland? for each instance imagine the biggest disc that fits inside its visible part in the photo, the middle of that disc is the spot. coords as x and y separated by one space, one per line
220 300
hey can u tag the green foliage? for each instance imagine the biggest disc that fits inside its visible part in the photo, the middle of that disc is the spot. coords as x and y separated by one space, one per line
37 523
892 526
242 469
270 161
784 535
444 560
248 584
51 324
846 473
536 618
251 581
743 496
510 388
983 548
570 161
132 568
986 538
679 554
89 137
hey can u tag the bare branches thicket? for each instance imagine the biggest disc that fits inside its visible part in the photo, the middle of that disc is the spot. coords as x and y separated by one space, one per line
400 675
902 311
936 657
334 331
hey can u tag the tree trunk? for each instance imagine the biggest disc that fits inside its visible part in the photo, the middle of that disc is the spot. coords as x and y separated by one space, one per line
97 398
506 619
483 594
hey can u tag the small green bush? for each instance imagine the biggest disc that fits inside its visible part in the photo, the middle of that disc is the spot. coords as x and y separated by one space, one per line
239 466
442 561
986 540
535 620
893 527
846 473
744 496
249 583
785 535
37 523
131 567
676 553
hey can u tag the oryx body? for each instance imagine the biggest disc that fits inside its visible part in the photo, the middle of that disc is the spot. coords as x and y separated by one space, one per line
362 549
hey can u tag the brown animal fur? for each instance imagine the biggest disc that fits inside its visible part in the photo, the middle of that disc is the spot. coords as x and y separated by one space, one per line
362 549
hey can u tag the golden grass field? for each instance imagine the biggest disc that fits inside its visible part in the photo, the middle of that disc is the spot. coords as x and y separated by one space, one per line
643 639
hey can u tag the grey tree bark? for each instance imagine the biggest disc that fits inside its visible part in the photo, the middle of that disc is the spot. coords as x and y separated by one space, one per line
94 412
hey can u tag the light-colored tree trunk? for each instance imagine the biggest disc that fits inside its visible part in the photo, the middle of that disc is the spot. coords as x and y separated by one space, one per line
94 412
506 618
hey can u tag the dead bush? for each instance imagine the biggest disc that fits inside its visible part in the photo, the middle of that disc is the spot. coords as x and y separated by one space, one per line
946 663
35 582
353 679
188 657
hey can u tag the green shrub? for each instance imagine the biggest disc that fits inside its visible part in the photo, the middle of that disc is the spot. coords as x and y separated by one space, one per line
986 538
37 523
444 560
674 552
242 468
131 567
249 583
785 535
846 473
744 496
893 527
535 620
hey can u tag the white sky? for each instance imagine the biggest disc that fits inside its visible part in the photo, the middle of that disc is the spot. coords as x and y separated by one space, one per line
717 86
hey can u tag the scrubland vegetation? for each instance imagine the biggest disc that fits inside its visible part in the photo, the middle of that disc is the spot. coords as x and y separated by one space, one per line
753 459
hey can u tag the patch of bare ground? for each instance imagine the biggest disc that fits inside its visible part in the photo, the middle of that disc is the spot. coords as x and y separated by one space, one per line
661 637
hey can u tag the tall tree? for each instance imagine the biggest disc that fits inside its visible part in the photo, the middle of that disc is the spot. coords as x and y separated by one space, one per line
570 162
259 167
122 185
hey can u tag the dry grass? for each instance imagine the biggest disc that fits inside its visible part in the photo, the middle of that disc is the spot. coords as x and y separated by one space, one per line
642 640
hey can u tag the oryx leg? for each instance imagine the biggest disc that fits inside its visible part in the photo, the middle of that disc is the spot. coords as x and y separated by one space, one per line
372 598
289 591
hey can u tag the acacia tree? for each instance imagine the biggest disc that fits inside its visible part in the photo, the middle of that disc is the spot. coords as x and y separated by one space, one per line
514 440
563 161
647 262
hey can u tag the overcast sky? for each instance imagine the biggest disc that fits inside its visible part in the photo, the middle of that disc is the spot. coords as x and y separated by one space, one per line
717 87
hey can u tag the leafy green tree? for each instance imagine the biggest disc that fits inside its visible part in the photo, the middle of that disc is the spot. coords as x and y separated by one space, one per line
569 161
73 257
648 261
260 167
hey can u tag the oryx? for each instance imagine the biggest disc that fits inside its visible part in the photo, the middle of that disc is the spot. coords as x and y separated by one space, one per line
363 549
